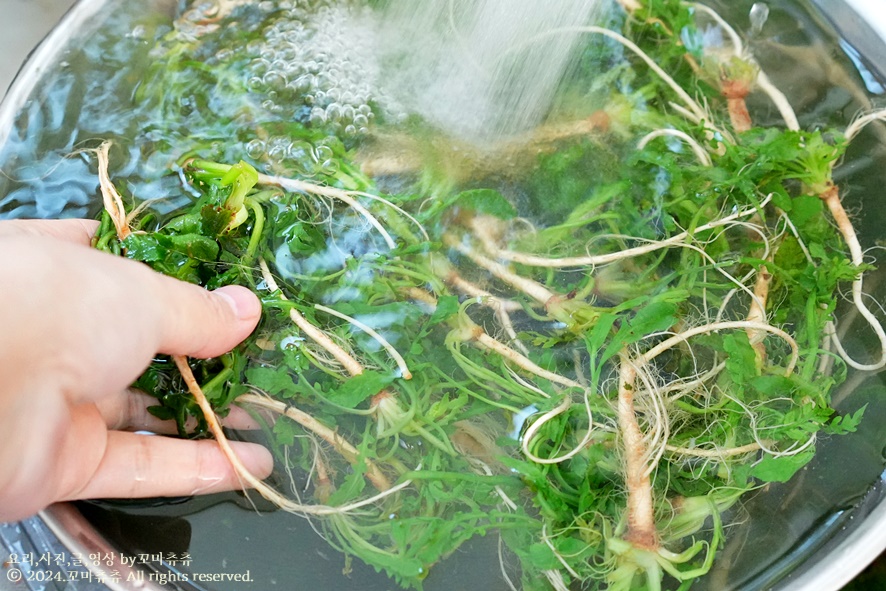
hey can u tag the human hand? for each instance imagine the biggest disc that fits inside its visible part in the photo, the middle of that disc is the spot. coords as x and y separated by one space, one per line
77 327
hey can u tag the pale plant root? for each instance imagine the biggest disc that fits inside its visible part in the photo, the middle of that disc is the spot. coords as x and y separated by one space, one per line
831 197
761 327
386 345
533 289
556 580
717 453
691 104
346 197
547 541
700 153
757 312
113 202
243 473
630 5
640 513
537 425
351 365
602 259
643 450
345 449
474 333
863 121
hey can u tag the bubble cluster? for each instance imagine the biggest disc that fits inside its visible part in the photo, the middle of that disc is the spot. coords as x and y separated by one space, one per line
315 62
302 157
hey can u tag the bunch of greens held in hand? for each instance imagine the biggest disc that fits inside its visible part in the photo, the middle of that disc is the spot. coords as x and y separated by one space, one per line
596 386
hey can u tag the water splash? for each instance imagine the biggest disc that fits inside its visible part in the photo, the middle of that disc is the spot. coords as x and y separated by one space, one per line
480 69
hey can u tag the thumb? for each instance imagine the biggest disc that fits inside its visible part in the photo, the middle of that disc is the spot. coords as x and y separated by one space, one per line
202 323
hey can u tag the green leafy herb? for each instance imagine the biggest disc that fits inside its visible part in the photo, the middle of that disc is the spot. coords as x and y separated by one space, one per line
588 348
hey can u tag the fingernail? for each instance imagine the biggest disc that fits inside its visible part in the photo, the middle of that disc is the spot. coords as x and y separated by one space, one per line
243 302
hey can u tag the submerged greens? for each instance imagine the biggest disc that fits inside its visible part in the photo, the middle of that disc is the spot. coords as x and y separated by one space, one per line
590 340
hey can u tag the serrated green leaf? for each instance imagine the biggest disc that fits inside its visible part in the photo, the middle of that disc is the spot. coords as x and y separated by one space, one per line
215 219
772 386
741 359
147 248
782 468
651 318
542 557
354 484
276 381
196 246
486 201
805 208
358 388
447 306
286 431
840 425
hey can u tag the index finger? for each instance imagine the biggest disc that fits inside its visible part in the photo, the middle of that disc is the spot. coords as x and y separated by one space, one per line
77 231
142 466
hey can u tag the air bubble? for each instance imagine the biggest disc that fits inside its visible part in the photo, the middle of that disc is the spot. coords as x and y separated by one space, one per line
302 152
255 46
333 112
321 56
759 15
278 148
318 116
287 55
255 149
255 84
331 167
304 83
274 79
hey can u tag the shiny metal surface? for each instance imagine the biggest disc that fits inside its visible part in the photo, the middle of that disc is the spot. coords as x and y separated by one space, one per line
80 537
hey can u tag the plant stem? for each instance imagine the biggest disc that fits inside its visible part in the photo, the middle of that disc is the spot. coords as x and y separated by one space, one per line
533 289
113 203
345 449
343 196
476 334
257 229
401 363
263 489
351 365
591 260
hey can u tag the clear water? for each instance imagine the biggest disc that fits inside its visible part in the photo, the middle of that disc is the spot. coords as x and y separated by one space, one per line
89 96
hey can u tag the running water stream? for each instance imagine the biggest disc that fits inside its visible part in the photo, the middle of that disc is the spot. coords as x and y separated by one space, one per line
475 68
